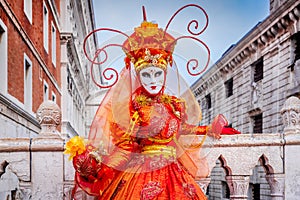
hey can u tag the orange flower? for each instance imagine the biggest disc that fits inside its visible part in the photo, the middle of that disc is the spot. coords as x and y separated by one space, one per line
75 146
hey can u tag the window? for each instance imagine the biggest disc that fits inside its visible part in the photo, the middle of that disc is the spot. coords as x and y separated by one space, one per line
208 101
53 34
257 123
258 69
229 87
28 9
45 26
53 98
3 57
46 91
27 83
255 191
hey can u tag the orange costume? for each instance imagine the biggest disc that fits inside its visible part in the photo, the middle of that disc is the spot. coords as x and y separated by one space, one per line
134 149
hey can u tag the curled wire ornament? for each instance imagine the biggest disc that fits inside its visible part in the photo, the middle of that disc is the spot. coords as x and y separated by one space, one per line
194 60
192 21
113 72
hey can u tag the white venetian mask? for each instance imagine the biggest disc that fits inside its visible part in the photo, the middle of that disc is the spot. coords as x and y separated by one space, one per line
152 79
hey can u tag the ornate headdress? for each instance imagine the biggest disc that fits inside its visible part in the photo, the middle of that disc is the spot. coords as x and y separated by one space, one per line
149 45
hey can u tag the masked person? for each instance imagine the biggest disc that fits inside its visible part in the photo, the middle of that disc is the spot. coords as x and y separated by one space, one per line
134 149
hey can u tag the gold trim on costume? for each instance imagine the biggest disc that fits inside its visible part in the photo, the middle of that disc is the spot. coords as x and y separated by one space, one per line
159 150
160 140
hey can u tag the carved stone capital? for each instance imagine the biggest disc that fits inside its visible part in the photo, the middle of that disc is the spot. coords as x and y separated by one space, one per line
291 114
238 186
49 117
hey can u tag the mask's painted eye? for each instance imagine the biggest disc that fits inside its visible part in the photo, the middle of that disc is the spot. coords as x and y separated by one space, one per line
146 74
157 74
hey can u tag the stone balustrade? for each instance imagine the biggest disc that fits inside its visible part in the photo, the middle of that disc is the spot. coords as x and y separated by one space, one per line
36 168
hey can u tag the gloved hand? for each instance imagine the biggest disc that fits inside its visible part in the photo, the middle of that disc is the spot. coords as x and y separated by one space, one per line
92 175
87 165
219 127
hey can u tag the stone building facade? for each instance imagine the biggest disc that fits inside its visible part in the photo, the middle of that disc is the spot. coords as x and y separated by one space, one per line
249 84
30 63
42 58
254 77
77 21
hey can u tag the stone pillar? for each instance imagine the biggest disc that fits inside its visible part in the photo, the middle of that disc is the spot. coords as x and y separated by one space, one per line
238 186
291 119
47 155
276 182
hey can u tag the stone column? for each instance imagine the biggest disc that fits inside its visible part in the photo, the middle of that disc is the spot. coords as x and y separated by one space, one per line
291 119
276 182
47 155
238 186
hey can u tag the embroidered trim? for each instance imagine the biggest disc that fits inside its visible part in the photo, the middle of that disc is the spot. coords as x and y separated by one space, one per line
151 190
189 190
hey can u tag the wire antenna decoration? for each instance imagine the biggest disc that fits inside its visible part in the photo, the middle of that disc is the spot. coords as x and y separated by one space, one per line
111 74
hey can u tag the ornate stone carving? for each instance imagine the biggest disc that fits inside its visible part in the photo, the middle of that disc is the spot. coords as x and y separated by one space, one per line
291 114
49 117
238 186
24 194
256 94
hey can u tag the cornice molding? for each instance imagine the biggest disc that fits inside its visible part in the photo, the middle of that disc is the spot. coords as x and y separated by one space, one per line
12 107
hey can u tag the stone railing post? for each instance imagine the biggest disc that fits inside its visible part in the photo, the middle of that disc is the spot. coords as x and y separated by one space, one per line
49 117
291 119
291 115
47 155
238 186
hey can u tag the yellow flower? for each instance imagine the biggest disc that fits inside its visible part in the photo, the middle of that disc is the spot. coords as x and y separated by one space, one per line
75 146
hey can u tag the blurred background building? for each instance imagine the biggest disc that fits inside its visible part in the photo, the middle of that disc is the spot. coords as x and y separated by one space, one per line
42 59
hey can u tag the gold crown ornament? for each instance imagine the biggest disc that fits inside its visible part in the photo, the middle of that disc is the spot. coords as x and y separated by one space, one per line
149 46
